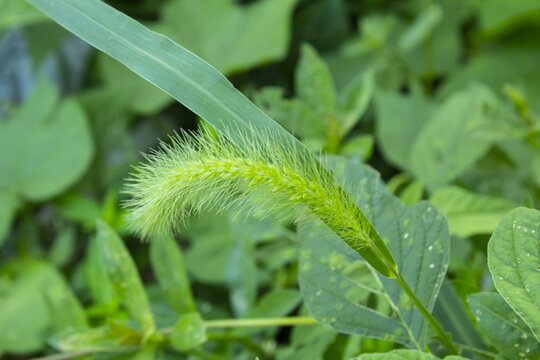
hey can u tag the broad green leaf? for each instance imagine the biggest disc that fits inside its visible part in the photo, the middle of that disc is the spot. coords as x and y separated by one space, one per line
313 82
64 308
8 208
399 120
447 146
469 213
503 327
189 332
514 262
168 264
36 302
210 29
329 271
47 146
121 271
421 28
23 319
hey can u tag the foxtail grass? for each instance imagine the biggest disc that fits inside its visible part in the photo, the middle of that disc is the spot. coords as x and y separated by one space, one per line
266 177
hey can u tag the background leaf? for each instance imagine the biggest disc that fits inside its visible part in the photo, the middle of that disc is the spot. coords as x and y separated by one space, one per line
399 120
446 146
514 262
469 213
503 327
123 275
210 29
49 146
168 264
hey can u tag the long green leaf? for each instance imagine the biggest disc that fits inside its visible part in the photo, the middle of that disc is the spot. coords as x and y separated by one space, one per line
184 76
169 66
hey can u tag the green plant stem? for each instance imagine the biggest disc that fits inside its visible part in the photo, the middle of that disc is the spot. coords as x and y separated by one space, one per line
256 322
442 335
283 321
476 350
396 275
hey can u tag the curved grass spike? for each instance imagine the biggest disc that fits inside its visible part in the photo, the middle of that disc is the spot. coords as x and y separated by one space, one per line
267 176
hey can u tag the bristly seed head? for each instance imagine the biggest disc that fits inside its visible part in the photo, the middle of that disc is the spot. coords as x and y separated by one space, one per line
200 172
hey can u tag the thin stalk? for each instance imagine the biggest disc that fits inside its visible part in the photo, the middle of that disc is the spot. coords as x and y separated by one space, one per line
441 334
476 350
255 322
283 321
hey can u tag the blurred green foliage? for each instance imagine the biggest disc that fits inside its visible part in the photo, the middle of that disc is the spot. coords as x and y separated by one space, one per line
438 96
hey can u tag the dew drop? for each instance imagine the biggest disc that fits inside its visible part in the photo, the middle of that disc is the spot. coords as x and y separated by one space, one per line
430 247
431 266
